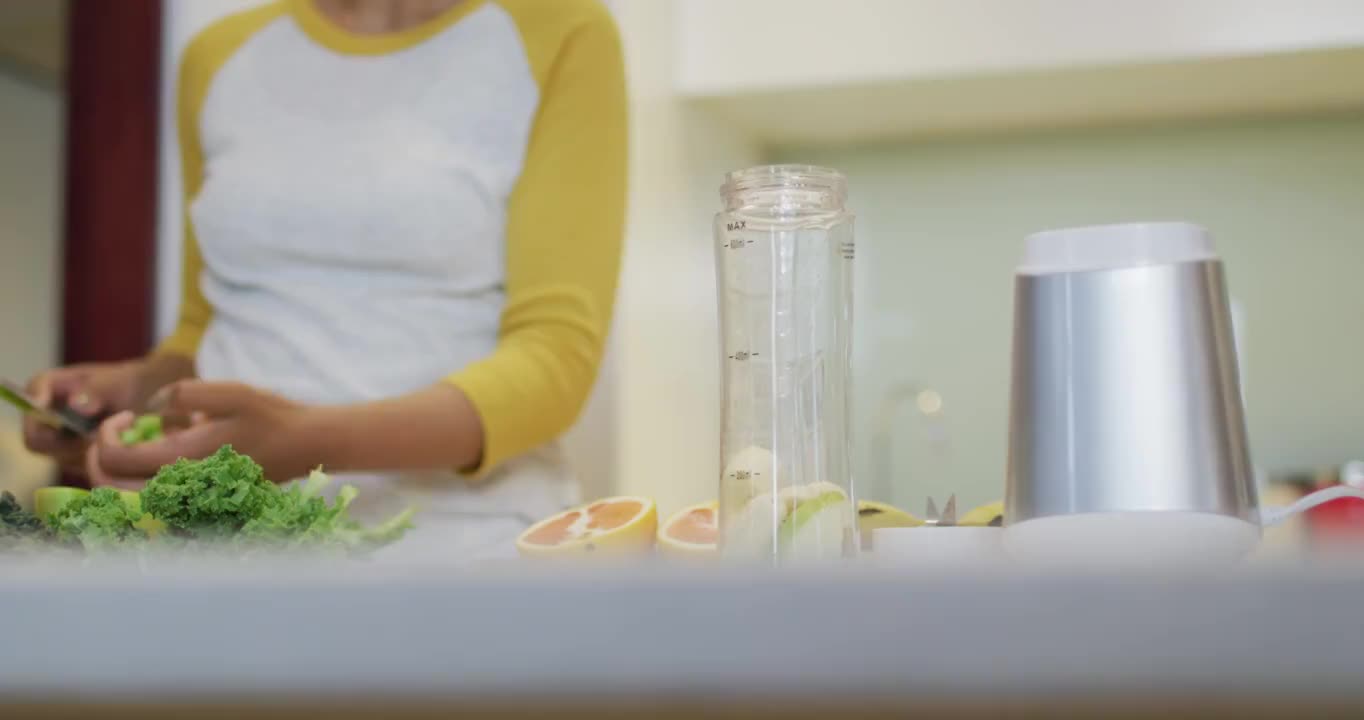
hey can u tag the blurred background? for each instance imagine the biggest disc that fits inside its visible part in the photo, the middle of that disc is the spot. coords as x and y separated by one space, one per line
32 108
963 125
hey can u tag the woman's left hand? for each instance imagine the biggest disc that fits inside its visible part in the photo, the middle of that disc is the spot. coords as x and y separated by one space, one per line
256 423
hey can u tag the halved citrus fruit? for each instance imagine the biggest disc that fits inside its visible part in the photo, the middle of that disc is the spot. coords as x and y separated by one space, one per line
613 526
691 531
872 515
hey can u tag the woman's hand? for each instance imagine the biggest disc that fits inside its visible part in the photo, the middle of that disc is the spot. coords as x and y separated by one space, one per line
432 429
90 390
93 390
266 427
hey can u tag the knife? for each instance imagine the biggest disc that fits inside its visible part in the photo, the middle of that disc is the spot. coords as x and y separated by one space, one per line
62 418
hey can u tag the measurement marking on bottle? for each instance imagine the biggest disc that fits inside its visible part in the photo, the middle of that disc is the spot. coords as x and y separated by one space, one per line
738 243
743 355
847 249
743 475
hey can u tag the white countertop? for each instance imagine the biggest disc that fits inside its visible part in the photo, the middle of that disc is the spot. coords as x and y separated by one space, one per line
365 629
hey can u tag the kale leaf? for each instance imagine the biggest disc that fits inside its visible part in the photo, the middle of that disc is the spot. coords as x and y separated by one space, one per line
102 520
212 498
14 519
226 497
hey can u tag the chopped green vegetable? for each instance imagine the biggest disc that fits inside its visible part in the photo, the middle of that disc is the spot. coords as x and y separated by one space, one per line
102 520
145 428
148 425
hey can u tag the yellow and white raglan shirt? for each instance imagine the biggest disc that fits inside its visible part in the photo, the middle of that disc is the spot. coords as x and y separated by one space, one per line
370 214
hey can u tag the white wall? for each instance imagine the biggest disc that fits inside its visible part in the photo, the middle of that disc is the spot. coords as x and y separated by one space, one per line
940 225
31 163
729 46
668 333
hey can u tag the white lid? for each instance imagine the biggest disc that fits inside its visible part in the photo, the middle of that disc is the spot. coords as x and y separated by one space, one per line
1113 247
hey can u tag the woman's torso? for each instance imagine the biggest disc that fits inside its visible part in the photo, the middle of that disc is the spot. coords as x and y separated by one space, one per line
352 222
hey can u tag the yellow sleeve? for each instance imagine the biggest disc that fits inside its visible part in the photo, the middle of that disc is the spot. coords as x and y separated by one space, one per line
565 227
202 58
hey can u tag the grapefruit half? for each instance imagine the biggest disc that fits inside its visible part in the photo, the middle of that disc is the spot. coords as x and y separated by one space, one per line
616 526
692 531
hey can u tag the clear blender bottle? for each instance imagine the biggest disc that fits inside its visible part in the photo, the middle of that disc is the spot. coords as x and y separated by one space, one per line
784 251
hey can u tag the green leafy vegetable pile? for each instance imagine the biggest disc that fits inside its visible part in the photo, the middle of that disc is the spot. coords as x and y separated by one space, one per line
222 501
211 498
226 497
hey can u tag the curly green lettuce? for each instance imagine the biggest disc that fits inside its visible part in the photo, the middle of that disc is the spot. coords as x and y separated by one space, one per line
212 498
300 518
226 497
102 520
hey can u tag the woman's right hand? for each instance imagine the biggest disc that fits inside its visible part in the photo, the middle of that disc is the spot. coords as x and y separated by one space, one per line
91 390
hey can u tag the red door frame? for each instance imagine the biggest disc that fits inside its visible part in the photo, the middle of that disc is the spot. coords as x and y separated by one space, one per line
113 89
